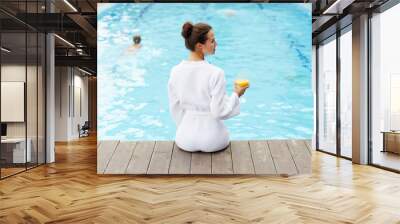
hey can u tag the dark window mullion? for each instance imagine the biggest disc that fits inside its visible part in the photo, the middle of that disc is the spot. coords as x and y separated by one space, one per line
37 90
369 95
26 86
338 80
317 96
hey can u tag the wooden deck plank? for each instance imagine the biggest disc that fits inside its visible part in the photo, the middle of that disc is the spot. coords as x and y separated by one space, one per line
241 158
104 153
301 155
263 163
282 157
120 159
141 158
308 144
221 162
160 161
180 161
201 163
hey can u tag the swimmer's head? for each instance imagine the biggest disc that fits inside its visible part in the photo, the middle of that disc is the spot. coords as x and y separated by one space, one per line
199 37
137 39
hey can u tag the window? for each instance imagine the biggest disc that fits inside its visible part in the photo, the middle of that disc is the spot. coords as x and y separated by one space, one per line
385 89
22 65
327 95
346 92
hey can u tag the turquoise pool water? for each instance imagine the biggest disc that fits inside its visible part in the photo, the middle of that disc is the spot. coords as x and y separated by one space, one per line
269 44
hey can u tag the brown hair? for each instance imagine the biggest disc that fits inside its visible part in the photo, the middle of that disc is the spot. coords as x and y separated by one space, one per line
136 39
194 34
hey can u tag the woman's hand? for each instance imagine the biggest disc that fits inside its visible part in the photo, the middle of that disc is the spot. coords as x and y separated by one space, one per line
240 90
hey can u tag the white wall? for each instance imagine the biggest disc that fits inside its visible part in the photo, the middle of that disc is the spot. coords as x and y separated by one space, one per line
12 73
70 83
81 89
12 101
33 127
61 103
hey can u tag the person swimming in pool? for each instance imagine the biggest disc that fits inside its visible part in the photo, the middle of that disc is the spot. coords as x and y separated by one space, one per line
198 102
136 44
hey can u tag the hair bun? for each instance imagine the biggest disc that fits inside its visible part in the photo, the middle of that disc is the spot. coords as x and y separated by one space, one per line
187 30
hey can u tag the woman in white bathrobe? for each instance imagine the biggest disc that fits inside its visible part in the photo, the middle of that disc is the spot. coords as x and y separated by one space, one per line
197 97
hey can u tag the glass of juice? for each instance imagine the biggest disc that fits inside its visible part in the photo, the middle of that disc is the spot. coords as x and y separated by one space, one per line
242 82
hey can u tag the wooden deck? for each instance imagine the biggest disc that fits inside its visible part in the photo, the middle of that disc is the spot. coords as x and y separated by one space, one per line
272 157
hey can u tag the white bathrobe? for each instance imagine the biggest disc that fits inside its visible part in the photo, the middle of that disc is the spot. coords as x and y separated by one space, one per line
198 103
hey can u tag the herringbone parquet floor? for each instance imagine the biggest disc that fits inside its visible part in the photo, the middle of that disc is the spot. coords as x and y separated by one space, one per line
70 191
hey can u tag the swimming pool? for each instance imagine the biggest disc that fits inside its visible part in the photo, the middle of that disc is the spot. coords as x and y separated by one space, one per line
269 44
